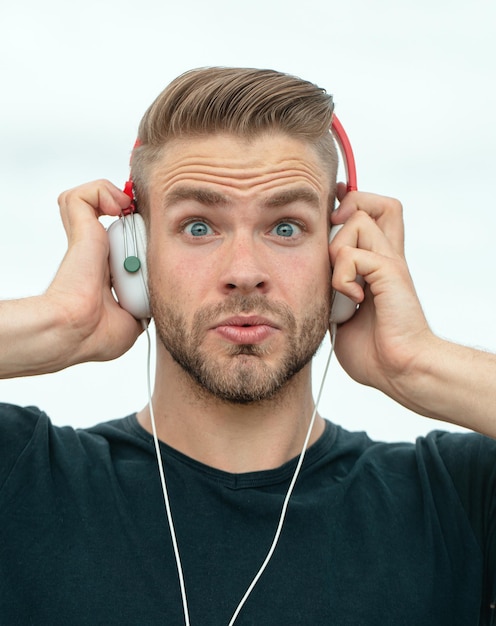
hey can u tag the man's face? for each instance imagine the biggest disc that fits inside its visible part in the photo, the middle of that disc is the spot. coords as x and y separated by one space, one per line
238 261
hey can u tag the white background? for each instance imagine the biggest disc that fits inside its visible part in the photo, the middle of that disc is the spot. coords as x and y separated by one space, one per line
414 85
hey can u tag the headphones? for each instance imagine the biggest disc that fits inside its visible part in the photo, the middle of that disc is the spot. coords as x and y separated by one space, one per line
127 238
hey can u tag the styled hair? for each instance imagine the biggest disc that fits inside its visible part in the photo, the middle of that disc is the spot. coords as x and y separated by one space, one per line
243 102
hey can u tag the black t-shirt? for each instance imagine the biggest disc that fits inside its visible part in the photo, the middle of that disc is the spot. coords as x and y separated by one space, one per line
376 534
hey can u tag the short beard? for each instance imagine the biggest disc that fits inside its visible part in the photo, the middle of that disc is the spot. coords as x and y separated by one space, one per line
246 378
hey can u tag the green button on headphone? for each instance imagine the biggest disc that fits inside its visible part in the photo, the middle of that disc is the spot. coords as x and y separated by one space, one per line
132 264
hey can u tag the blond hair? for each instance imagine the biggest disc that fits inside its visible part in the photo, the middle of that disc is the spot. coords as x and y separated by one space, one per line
239 101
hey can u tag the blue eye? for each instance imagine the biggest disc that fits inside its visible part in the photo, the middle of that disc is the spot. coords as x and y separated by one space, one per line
286 229
198 229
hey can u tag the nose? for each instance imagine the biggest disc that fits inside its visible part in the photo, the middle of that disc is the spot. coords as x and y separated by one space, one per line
244 266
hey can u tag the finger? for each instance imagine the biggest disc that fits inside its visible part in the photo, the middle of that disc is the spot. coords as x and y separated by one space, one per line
373 204
341 191
97 198
383 275
385 211
362 232
345 273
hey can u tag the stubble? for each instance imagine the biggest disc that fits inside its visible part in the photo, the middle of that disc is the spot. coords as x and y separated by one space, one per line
242 374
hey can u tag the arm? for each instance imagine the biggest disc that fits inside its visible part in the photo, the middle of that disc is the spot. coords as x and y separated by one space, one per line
453 383
77 319
388 344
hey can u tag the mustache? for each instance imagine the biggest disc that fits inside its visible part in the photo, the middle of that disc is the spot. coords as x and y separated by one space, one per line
238 303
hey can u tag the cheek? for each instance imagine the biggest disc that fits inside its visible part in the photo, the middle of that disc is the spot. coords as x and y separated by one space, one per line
308 276
175 282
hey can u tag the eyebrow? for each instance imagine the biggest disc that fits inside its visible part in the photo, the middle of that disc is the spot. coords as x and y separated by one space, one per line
204 196
300 194
211 198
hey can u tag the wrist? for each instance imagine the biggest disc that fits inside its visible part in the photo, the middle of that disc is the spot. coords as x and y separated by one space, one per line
414 384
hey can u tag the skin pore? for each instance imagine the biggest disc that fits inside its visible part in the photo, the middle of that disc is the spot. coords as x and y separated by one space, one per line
239 280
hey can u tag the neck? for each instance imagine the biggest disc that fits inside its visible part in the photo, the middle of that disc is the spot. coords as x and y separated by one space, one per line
235 438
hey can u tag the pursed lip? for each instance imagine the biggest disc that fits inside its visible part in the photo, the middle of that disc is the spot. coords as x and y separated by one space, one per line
246 320
245 329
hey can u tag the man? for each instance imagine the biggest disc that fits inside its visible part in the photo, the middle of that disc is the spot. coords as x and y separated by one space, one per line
235 179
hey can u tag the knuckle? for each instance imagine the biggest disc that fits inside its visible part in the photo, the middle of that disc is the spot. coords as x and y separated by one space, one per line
395 207
343 257
101 183
361 216
62 199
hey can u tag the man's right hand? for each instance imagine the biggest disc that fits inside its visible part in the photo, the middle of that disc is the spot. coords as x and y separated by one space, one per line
77 319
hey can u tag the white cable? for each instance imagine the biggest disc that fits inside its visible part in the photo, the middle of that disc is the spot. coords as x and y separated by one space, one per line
291 486
286 499
164 484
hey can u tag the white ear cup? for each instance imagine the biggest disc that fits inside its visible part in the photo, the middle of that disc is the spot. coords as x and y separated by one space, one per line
342 307
127 237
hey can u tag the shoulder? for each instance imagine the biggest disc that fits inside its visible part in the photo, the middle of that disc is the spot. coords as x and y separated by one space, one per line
462 464
12 415
469 459
27 437
449 472
18 427
438 449
443 472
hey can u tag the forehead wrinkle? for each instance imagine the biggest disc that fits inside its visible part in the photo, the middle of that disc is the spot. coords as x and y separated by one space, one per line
225 169
191 185
193 177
